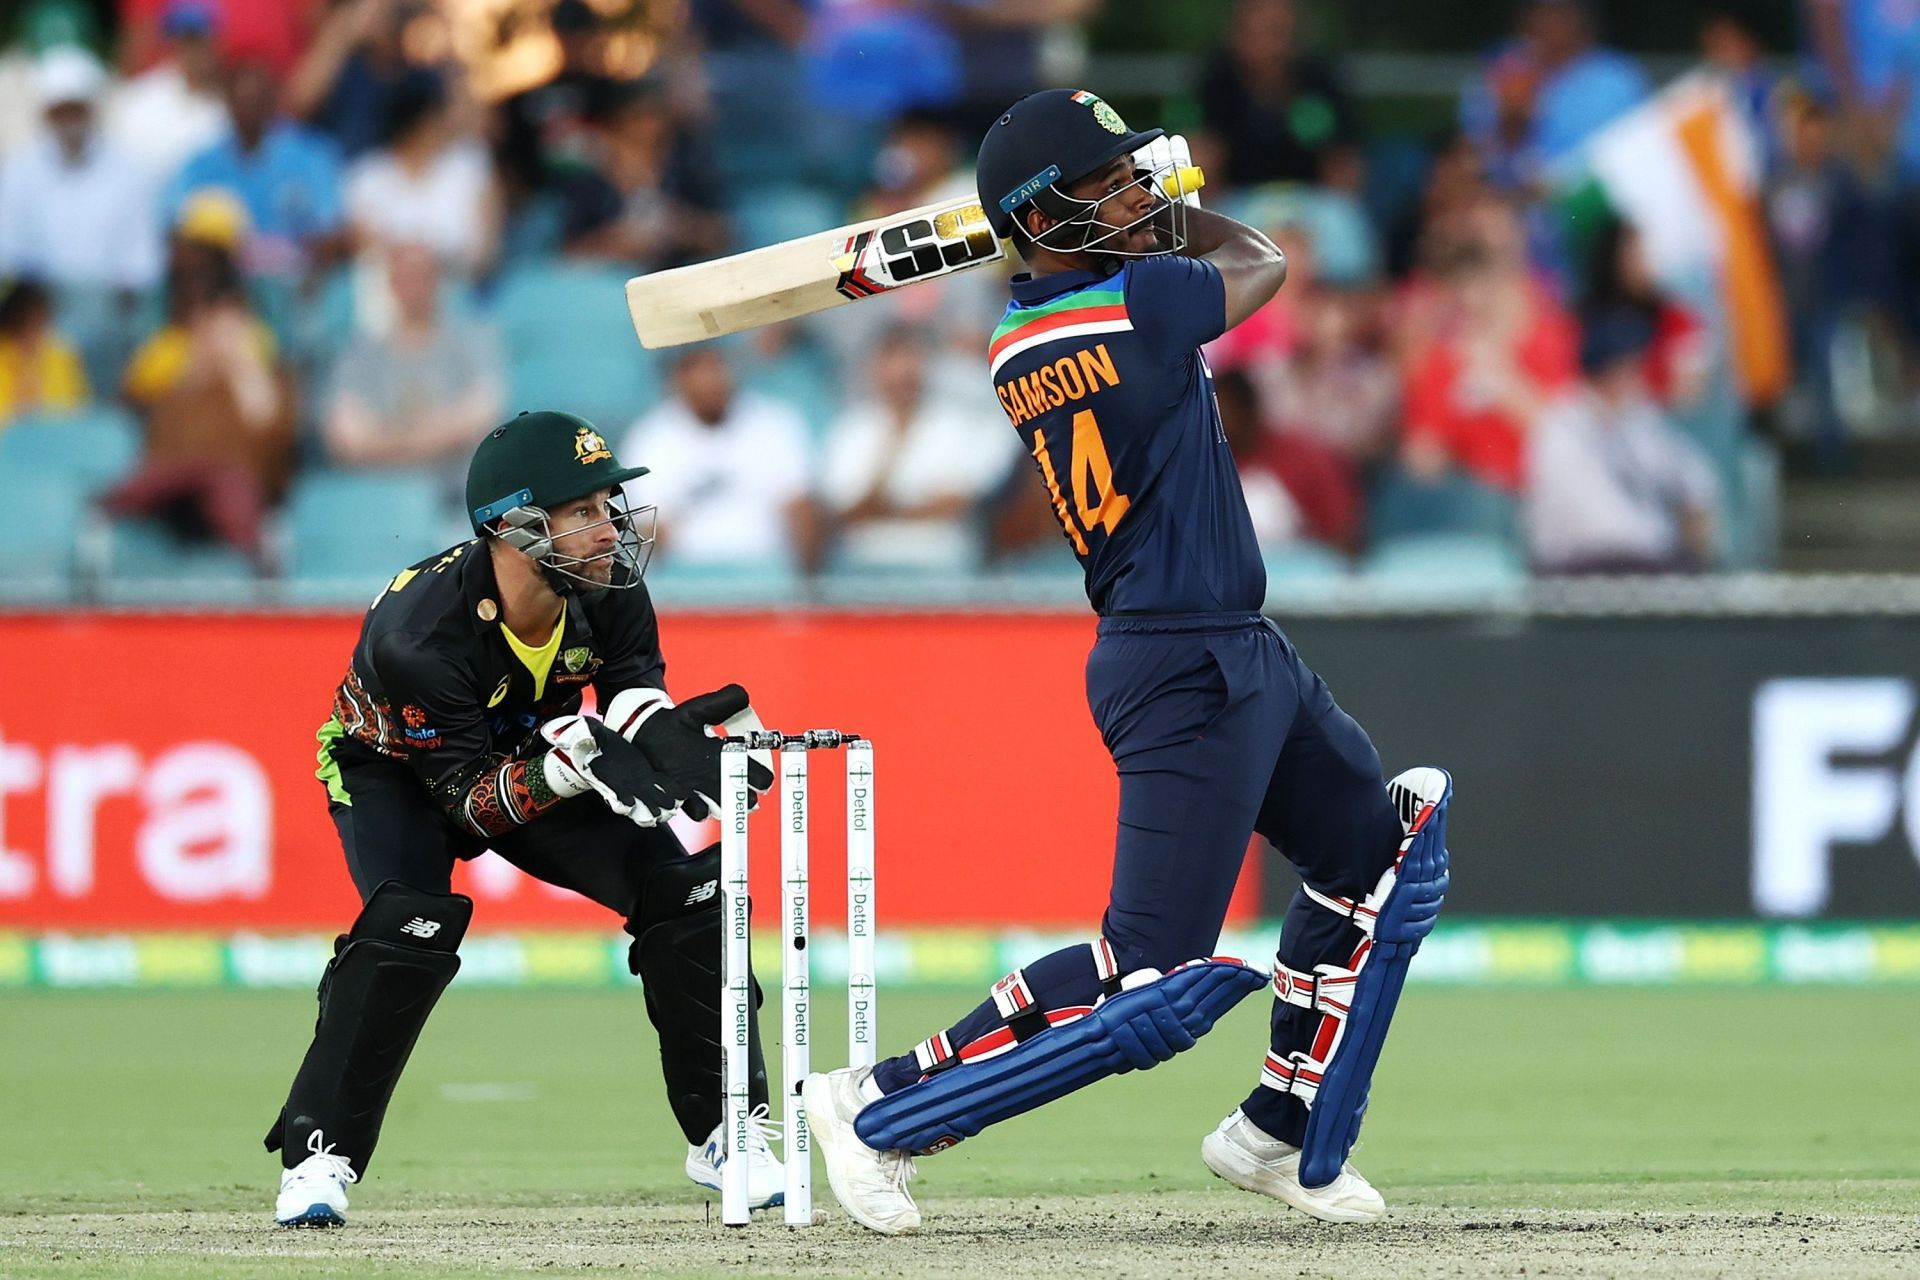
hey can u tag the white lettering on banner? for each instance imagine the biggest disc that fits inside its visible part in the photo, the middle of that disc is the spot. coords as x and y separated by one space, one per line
210 833
78 779
19 773
203 830
1804 803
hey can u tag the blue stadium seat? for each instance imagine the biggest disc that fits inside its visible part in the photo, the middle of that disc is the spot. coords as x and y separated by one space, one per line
771 214
357 528
44 514
98 321
142 559
1440 565
92 447
1401 507
571 344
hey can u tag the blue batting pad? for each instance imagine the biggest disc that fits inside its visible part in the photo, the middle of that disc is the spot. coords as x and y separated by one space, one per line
1406 917
1136 1029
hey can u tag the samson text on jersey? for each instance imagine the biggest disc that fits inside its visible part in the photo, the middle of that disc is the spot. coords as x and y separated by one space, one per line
1102 376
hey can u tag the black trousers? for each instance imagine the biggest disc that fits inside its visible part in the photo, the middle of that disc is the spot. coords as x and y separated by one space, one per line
394 830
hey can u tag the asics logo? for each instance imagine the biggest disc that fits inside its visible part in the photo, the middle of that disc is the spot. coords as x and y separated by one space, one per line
420 927
701 893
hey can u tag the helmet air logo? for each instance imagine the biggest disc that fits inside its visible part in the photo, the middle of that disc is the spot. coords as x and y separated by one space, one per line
1108 118
589 447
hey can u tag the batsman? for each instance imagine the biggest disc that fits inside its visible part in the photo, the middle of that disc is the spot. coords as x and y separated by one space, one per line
1216 727
457 729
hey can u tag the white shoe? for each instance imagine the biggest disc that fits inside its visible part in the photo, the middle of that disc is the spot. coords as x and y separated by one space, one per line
766 1176
314 1192
1244 1155
870 1185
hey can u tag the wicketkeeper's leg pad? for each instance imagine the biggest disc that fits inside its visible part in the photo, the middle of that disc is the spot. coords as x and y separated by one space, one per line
386 975
1135 1029
676 955
1356 1000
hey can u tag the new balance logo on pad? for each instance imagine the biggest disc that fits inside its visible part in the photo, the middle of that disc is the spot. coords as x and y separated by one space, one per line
420 927
702 892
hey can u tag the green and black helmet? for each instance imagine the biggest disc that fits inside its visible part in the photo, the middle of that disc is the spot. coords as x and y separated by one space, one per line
532 465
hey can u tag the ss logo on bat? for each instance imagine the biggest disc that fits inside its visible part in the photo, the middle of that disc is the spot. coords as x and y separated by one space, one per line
918 249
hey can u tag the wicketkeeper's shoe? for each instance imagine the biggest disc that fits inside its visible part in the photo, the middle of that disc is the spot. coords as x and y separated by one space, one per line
870 1185
314 1192
766 1176
1244 1155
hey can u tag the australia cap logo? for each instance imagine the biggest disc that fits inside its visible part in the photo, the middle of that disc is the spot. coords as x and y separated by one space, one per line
589 447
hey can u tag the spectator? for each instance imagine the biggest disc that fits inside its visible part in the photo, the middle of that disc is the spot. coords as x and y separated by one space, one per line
1619 280
271 32
421 395
1614 488
1835 238
905 469
650 200
1296 487
426 186
1007 51
1546 91
40 372
74 210
219 412
1272 114
1339 389
42 25
869 60
173 110
730 474
550 129
347 79
1454 183
287 177
1731 49
1869 54
1506 347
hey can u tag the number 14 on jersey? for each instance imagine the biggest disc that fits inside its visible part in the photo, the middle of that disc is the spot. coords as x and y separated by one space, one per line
1096 503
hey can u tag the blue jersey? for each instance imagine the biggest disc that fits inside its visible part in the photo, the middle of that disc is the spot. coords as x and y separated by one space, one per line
1103 378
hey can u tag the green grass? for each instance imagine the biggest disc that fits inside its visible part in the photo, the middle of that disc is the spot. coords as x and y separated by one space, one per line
1516 1104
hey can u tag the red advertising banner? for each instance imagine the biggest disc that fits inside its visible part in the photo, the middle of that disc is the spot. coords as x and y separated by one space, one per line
156 771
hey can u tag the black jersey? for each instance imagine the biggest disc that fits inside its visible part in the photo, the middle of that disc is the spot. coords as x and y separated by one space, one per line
434 685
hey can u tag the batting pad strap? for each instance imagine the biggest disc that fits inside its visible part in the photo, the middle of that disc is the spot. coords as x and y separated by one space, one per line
935 1053
1327 989
1105 967
1013 997
1134 1030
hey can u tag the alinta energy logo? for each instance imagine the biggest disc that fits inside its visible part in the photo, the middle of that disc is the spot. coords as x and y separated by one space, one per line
1835 767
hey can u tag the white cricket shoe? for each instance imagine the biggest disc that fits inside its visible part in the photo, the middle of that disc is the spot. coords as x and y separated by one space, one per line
314 1192
766 1176
870 1185
1244 1155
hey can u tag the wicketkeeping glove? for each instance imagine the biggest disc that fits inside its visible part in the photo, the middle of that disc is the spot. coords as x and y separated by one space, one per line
678 741
587 756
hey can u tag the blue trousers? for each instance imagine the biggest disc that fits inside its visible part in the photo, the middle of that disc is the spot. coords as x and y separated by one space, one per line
1218 730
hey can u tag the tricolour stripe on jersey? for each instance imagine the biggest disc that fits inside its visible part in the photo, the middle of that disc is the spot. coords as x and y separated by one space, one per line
1086 311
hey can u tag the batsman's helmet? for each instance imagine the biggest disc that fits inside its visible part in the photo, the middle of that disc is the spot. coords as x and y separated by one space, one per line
532 465
1045 142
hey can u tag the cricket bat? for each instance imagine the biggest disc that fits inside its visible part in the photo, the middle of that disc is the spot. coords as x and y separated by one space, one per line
832 268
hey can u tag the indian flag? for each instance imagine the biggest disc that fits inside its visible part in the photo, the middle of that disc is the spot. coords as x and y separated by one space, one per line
1684 169
1095 309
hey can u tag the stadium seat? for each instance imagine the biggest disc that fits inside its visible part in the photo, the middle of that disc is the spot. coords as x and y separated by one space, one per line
1401 507
571 344
141 560
44 513
1304 573
769 215
356 528
1443 565
92 447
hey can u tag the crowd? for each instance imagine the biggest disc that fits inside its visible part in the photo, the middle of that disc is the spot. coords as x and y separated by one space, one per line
287 236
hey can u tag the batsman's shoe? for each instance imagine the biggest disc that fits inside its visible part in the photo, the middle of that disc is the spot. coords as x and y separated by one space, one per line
1244 1155
314 1192
766 1176
870 1185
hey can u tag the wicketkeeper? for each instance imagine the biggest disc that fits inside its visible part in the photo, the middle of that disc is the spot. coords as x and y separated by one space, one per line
458 729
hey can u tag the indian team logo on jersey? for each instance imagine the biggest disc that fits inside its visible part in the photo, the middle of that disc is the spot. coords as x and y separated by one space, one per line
589 446
1109 118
